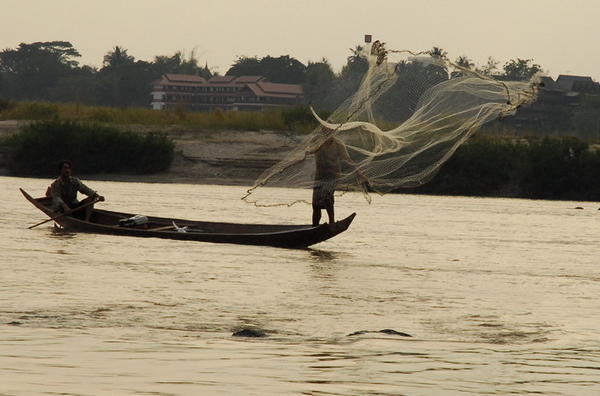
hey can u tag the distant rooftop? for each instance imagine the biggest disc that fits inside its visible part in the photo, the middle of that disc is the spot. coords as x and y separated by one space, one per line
187 78
574 78
249 79
270 87
257 84
221 79
569 82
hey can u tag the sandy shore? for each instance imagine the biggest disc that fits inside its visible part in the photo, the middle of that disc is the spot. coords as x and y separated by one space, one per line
208 157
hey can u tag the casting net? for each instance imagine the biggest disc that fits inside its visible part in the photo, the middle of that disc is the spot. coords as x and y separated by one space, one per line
408 116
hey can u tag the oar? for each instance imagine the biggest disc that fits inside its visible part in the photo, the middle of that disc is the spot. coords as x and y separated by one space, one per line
64 213
164 228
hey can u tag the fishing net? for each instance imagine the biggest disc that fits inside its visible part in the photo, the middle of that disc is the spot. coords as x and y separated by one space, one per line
407 117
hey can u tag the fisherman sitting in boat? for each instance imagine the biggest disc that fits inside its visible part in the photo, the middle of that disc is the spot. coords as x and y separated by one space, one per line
64 193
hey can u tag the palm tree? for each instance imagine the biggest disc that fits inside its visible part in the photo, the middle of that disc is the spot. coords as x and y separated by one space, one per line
464 62
356 63
118 57
356 54
437 52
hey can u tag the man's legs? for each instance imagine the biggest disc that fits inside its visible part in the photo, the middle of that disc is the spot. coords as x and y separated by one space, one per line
88 212
330 213
85 213
316 217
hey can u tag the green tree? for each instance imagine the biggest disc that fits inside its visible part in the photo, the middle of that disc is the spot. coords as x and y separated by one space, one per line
350 77
414 78
178 64
318 83
438 52
520 69
123 81
118 57
491 67
282 69
464 61
81 86
356 62
245 66
29 71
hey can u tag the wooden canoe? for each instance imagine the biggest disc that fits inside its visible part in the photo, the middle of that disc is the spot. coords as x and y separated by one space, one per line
287 236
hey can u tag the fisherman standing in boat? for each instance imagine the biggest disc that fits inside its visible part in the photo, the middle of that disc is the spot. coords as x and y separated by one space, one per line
64 193
328 162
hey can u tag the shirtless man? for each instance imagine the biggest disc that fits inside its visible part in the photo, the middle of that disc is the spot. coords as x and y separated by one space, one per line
329 157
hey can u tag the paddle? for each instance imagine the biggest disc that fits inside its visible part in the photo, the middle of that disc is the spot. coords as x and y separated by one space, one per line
65 213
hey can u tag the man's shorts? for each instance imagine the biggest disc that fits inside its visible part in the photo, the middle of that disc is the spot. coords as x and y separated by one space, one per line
323 195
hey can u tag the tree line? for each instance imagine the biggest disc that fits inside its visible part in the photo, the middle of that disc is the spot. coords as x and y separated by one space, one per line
50 71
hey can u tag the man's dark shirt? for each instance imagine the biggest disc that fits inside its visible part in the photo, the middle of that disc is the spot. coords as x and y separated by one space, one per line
66 192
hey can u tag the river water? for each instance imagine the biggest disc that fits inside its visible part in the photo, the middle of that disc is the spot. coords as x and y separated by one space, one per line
500 297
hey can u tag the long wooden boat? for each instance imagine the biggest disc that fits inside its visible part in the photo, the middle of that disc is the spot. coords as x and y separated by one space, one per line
288 236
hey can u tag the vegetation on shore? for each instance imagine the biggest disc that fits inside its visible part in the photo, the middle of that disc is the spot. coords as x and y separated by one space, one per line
539 168
36 149
298 119
534 167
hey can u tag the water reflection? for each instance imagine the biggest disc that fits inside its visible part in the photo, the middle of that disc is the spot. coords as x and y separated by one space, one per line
323 255
61 233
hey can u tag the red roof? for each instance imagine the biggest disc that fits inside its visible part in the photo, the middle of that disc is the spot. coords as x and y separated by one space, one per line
164 81
273 88
257 84
249 79
256 89
221 79
186 78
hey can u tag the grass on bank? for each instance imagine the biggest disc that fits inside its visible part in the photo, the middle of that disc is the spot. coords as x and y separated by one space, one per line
299 118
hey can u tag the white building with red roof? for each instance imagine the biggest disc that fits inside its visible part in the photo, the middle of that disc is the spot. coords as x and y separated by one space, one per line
253 93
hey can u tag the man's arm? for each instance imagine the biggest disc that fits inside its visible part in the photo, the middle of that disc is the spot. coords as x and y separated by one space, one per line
82 188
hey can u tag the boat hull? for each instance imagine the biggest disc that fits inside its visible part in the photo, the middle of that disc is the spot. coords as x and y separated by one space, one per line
287 236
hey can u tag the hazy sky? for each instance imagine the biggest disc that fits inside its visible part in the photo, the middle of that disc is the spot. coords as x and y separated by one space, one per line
562 36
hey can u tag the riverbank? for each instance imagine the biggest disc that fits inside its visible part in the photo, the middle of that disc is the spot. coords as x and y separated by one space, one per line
560 168
228 157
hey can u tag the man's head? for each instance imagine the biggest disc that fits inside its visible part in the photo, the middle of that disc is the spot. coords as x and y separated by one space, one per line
64 168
